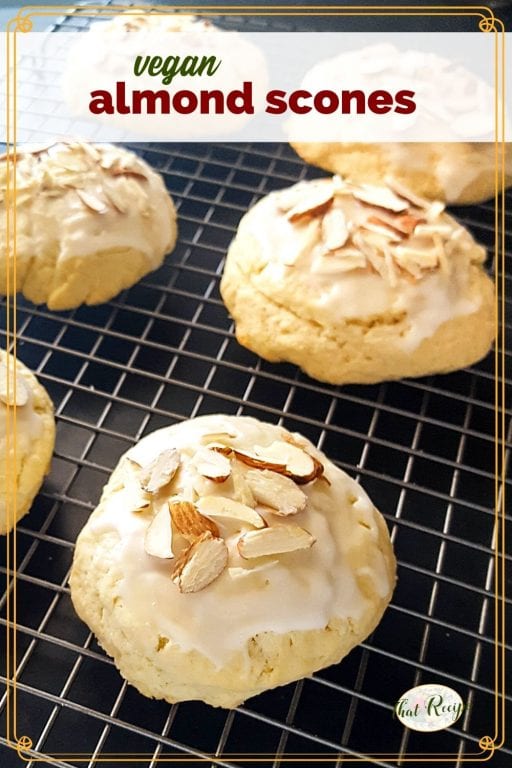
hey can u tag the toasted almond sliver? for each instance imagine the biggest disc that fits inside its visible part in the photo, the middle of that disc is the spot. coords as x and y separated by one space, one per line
278 492
188 521
434 211
288 198
160 471
381 197
278 539
433 229
213 465
200 564
92 202
241 490
221 506
7 394
374 224
316 199
407 223
334 229
406 193
137 499
218 438
282 457
158 538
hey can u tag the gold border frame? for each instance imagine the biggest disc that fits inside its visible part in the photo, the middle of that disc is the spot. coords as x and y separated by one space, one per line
487 23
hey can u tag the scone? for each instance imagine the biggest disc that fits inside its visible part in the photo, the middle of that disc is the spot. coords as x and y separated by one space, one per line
433 157
228 556
358 284
27 437
90 221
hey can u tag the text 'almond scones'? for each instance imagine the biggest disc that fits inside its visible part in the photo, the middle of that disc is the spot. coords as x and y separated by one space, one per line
27 437
357 284
91 220
228 556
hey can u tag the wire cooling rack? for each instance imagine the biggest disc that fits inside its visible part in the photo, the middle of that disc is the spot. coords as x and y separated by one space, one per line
164 351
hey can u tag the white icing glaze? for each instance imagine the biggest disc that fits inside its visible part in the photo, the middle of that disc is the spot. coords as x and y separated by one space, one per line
297 591
294 270
53 217
29 423
453 102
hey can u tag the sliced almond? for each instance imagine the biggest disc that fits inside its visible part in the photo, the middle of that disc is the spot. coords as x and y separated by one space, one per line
248 458
212 465
189 522
117 199
13 390
92 202
406 192
275 540
278 492
407 223
299 465
137 499
282 457
160 471
433 229
218 438
434 211
89 149
380 227
241 489
381 197
200 564
221 506
316 199
158 538
288 198
334 229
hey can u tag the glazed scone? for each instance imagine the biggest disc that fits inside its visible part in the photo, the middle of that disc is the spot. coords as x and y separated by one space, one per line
91 220
275 564
27 431
358 284
456 171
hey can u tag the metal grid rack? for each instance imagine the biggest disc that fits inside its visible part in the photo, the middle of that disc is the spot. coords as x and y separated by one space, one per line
165 351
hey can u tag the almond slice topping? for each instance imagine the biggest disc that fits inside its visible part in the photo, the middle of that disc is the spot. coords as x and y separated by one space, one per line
213 465
92 202
316 199
381 197
273 541
406 193
299 465
188 521
278 492
137 499
281 457
158 538
8 383
201 563
220 506
334 229
160 471
222 438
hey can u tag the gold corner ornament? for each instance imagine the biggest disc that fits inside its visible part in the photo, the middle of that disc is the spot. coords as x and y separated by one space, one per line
23 24
488 24
487 744
23 744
